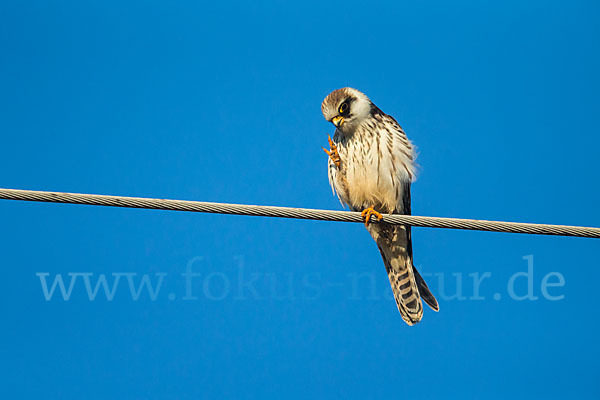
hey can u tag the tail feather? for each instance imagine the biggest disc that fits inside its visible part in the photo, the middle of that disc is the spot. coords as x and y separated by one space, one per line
408 286
405 290
425 292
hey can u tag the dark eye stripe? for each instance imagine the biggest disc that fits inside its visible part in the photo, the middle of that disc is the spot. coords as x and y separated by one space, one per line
343 108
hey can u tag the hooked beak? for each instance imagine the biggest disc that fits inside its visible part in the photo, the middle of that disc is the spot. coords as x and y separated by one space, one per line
337 121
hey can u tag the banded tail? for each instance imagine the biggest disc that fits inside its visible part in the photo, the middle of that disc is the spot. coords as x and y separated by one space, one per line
394 243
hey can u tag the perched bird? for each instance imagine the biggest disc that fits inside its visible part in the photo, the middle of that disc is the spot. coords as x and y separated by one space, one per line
371 166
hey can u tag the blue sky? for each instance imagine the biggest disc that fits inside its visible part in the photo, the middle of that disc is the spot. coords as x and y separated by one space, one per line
221 102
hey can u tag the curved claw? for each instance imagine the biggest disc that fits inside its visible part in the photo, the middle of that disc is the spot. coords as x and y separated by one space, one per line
366 214
333 153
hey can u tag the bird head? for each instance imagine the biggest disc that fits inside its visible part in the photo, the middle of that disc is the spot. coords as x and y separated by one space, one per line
346 108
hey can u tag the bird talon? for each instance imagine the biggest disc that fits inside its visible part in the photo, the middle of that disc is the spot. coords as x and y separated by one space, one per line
366 215
333 153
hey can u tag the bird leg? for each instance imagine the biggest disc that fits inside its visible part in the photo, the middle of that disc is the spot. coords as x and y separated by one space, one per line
366 214
333 153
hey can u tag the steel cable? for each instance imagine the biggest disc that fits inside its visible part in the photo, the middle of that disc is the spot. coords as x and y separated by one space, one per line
298 213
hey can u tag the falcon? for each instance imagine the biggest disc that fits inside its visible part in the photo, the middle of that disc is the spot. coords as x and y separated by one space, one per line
371 166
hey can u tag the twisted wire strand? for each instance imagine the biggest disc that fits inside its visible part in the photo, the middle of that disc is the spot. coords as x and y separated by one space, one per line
298 213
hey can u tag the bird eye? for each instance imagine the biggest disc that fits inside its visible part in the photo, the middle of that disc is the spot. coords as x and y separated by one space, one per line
343 108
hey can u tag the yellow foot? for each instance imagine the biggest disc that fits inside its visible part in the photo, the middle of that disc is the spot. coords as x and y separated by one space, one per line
333 153
366 214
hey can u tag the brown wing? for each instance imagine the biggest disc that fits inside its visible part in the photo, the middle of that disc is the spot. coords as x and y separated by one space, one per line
422 286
